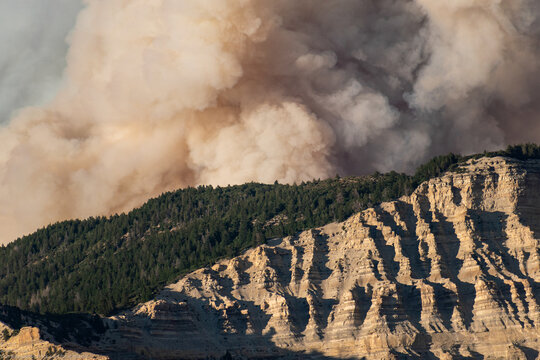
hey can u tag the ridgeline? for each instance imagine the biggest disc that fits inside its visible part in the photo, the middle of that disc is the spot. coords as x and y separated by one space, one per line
101 265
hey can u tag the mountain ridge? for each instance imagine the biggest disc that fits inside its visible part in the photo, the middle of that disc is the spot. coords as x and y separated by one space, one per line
451 271
101 265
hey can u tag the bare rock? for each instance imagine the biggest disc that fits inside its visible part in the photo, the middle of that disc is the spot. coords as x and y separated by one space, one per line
27 343
451 271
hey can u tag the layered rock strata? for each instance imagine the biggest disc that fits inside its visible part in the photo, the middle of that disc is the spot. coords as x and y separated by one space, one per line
28 343
451 271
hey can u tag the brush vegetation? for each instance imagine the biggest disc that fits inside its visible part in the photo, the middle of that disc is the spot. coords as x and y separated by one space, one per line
100 265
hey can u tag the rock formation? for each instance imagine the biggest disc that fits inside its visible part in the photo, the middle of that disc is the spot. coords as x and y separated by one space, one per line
450 272
28 343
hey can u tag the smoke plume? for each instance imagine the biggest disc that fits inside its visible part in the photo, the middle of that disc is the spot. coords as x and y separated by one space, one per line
162 94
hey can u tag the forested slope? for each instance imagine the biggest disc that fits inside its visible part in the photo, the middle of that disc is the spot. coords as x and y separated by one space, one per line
102 264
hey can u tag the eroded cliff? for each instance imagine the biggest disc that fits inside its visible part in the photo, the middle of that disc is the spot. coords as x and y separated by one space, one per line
452 271
29 343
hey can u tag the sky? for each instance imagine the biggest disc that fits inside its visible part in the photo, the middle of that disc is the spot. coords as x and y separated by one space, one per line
33 49
147 96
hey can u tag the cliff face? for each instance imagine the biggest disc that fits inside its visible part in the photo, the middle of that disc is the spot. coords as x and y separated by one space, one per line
453 271
29 336
28 343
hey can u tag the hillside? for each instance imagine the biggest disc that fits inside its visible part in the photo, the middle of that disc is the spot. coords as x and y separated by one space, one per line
100 265
450 272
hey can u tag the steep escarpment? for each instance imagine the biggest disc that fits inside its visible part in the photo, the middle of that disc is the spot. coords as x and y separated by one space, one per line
101 265
451 271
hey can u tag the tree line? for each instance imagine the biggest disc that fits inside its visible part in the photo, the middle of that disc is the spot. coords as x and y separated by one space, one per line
103 264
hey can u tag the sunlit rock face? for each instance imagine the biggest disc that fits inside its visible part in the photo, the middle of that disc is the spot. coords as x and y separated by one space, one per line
451 271
31 343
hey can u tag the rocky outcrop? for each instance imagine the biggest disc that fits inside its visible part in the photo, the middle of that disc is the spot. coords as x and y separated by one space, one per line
451 271
27 343
30 336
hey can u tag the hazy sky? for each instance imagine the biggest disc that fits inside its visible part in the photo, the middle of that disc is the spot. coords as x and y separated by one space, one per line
32 50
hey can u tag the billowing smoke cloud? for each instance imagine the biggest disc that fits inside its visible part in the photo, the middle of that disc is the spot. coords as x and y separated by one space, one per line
162 94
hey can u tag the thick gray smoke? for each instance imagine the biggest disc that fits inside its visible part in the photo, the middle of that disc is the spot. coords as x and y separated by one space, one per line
161 94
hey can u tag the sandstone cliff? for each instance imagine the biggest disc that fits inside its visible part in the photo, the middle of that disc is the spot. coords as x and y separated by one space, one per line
452 271
28 343
30 336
